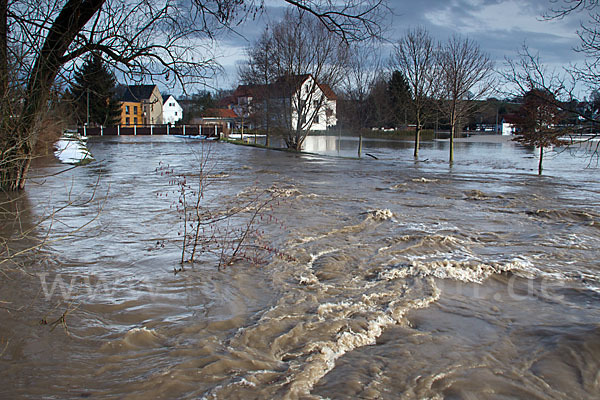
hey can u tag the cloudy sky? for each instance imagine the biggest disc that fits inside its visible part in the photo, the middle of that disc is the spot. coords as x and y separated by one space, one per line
499 26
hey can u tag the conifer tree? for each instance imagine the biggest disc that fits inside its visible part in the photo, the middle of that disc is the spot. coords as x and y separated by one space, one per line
94 78
398 93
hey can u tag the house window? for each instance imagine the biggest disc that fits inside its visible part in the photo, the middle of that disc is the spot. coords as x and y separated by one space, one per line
317 119
127 121
127 110
135 121
172 104
316 103
175 113
135 109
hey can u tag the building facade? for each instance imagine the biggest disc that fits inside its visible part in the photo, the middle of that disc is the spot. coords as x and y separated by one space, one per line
172 110
140 105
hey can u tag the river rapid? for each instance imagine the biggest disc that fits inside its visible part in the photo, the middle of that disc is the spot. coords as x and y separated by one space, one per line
401 278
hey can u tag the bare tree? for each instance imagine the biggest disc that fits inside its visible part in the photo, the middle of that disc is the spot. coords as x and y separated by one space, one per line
588 32
551 89
537 120
415 55
308 59
361 74
144 39
529 75
465 75
259 72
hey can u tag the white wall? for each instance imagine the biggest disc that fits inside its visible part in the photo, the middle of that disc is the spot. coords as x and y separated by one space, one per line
507 129
320 121
172 111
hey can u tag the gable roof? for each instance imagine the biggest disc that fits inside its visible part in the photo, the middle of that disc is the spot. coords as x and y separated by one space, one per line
135 93
327 91
281 87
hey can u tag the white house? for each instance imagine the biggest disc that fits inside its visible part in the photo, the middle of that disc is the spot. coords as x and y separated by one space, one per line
172 111
509 125
314 103
292 102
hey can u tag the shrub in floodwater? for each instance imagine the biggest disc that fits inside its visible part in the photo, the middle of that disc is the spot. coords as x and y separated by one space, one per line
231 231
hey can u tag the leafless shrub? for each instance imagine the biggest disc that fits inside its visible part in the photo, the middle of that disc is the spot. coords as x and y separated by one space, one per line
229 231
415 56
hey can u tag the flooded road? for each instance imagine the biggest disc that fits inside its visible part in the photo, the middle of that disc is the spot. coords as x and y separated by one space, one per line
402 279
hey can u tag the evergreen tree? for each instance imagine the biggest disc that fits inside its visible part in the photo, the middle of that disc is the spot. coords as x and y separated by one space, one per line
398 94
94 78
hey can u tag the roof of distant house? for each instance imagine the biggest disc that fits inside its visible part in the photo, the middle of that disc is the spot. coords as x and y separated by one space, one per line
226 101
134 93
218 113
165 97
281 86
510 118
327 91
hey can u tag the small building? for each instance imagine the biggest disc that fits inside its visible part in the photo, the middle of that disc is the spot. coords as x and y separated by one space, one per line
172 110
216 121
140 105
509 124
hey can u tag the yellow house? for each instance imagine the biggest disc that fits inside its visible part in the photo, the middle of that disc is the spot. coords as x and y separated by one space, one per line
140 105
131 113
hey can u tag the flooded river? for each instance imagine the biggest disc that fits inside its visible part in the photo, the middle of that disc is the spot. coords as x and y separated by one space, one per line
402 279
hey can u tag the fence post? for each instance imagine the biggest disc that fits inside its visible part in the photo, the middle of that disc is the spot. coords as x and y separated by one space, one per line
184 130
167 129
135 130
151 126
84 130
118 130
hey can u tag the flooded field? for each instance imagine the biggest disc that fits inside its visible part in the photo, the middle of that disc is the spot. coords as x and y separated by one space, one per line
402 278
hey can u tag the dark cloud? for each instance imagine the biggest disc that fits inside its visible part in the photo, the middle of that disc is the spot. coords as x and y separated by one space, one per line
499 26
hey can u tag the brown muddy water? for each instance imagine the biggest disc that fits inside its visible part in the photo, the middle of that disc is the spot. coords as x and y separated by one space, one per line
407 279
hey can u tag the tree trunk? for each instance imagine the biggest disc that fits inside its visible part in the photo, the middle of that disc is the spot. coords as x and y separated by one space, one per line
452 129
3 49
299 140
268 124
359 146
541 159
417 137
18 144
15 167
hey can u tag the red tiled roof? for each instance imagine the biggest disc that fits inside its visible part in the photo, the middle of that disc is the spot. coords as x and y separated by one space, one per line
511 118
256 91
280 87
218 113
327 91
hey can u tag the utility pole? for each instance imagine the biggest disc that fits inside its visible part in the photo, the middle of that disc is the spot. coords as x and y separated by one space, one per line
88 107
496 119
